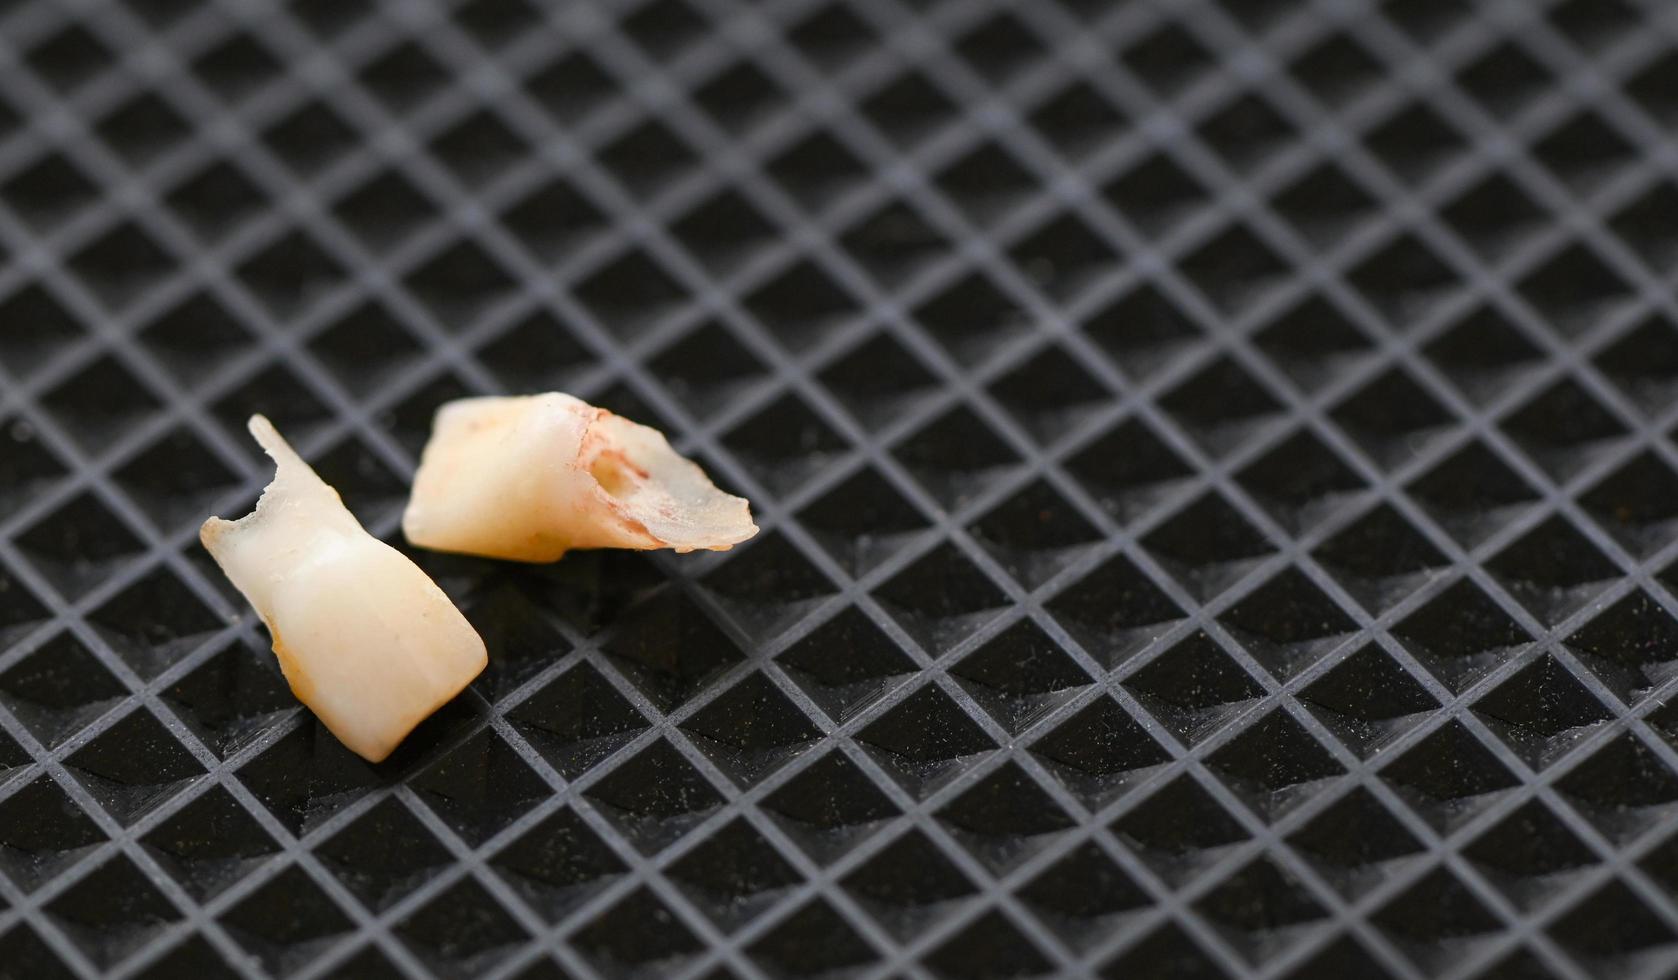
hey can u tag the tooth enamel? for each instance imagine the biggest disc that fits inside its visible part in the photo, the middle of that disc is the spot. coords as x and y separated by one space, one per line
529 478
363 636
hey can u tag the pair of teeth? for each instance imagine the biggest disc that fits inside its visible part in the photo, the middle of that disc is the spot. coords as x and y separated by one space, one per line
365 639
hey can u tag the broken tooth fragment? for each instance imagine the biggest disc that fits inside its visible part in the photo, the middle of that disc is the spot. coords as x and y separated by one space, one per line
364 638
529 478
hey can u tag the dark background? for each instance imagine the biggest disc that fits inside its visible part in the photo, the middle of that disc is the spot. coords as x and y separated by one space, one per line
1218 510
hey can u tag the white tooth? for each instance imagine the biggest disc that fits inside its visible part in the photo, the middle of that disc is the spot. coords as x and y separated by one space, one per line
529 478
364 638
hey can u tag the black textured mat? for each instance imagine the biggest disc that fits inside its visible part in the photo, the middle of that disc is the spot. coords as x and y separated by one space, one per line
1218 512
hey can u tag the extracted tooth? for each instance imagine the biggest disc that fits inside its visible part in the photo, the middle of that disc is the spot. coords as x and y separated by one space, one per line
364 638
529 478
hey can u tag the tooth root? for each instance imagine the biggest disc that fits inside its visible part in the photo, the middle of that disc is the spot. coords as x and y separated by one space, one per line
363 636
529 478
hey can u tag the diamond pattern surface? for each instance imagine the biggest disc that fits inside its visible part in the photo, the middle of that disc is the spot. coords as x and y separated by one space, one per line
1217 485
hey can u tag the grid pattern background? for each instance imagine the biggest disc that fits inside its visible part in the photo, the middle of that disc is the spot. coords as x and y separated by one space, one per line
1218 512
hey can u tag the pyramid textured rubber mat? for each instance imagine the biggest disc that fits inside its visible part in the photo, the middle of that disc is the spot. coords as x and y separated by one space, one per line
1218 511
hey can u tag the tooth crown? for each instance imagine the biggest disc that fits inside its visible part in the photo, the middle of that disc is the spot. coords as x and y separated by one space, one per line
363 636
529 478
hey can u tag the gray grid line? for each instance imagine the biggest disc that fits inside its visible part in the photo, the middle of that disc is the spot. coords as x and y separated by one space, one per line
967 388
